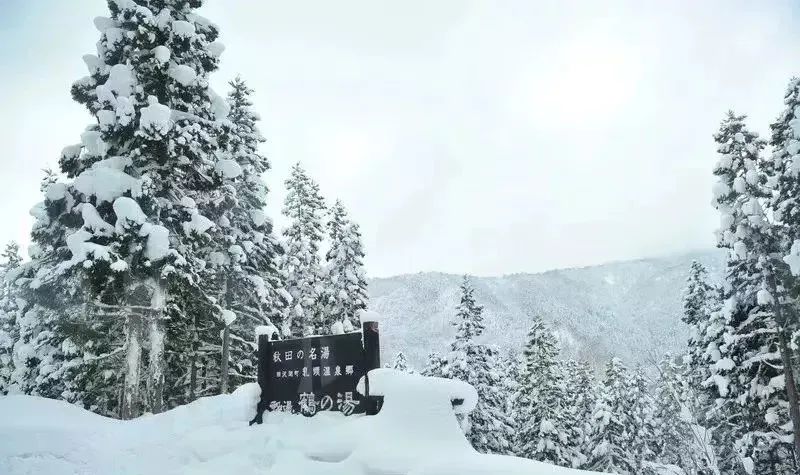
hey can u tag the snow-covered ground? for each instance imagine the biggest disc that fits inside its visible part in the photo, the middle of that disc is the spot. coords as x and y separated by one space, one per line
416 433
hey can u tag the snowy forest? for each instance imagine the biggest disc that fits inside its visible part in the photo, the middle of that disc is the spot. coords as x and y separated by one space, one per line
153 267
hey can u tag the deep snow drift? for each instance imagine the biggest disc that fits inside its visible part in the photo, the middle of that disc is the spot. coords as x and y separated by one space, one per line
416 433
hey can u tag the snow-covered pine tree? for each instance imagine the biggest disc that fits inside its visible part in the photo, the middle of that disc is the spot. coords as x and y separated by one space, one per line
678 439
578 387
300 264
436 366
400 363
122 217
344 287
700 300
9 332
488 427
541 416
751 406
785 205
250 283
611 434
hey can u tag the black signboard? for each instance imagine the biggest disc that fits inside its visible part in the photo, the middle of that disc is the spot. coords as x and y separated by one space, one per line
309 375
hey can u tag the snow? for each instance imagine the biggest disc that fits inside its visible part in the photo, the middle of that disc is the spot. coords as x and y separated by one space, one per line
56 191
183 29
228 317
162 54
229 169
127 211
93 63
337 328
216 48
739 184
269 330
93 222
258 216
121 80
156 116
369 316
103 23
106 119
219 106
106 181
92 140
793 258
763 297
198 224
187 202
416 433
184 74
157 246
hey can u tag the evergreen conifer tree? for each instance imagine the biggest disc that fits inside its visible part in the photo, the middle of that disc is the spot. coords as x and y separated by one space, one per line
542 433
9 332
301 264
345 287
751 407
131 223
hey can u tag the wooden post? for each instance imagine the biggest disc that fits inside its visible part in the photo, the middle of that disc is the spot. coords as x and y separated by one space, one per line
264 364
372 360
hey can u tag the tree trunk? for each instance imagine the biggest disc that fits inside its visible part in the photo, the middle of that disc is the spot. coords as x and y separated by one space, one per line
791 391
155 373
133 353
225 357
788 370
226 334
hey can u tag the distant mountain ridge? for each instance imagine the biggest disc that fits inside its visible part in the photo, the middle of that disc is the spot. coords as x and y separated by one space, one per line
629 309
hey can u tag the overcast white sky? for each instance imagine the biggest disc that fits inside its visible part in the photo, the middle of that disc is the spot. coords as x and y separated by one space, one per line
486 137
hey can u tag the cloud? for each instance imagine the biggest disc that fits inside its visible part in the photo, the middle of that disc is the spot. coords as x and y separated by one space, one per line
483 137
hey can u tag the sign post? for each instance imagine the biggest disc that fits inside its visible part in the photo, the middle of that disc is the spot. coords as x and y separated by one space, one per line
318 373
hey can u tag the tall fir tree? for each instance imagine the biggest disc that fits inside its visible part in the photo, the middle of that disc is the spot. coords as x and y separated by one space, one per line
9 332
132 221
541 418
613 433
303 207
248 277
785 206
700 300
747 372
345 287
578 388
488 427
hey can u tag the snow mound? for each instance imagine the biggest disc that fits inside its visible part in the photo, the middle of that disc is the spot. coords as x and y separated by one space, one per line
416 433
